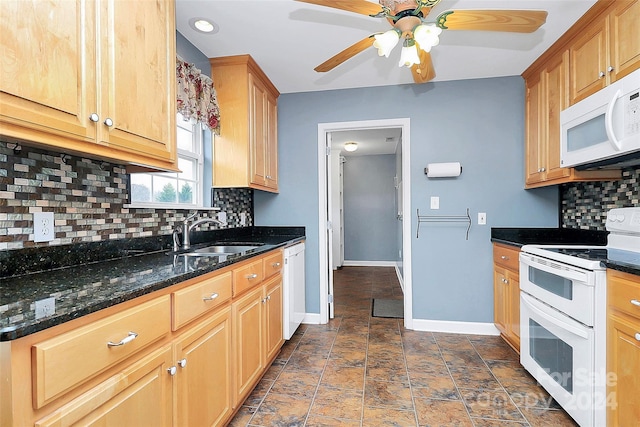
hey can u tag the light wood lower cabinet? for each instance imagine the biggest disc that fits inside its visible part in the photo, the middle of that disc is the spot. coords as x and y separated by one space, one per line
187 355
623 349
506 297
257 320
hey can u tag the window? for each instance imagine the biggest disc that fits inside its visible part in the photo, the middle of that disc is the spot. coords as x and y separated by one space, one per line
175 189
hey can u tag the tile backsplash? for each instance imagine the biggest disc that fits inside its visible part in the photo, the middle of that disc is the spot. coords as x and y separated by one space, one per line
585 204
88 198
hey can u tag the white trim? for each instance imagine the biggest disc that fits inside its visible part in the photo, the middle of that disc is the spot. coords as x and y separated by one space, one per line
348 263
323 130
400 279
474 328
311 319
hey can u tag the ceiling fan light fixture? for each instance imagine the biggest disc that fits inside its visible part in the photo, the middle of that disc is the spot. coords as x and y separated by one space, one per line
409 55
385 42
350 146
426 35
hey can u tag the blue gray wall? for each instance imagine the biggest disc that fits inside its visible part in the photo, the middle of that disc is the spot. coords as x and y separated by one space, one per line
479 123
370 208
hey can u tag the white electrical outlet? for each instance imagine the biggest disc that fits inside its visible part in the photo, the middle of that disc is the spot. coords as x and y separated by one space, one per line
435 202
482 218
222 217
43 227
243 219
45 307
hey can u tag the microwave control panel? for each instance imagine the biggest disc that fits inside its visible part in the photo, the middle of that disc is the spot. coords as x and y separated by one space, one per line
632 113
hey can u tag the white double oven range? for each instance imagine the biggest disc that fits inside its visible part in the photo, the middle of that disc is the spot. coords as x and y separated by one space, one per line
563 315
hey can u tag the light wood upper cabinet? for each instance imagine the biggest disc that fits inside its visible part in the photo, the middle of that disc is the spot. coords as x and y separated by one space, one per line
623 349
83 77
551 81
606 50
246 151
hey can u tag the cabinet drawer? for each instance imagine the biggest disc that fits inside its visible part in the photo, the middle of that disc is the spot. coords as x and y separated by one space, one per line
272 264
191 302
506 257
247 277
69 359
624 293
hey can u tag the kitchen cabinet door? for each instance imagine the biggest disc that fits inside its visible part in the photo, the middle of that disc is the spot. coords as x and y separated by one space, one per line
623 355
47 73
273 318
500 300
138 78
139 395
534 127
248 332
555 100
204 375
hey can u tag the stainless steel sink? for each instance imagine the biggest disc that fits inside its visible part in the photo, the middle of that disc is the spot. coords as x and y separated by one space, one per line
223 249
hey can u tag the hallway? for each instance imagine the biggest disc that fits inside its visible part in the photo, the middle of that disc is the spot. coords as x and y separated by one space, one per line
364 371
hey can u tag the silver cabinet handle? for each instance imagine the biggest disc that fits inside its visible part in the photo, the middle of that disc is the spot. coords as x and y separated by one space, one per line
130 337
172 370
635 302
108 122
94 117
252 276
504 257
268 297
276 265
264 300
610 68
638 336
210 298
601 74
182 363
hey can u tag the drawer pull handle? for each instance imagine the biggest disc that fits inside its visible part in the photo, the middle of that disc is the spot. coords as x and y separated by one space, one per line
210 298
252 276
132 336
182 363
276 264
638 336
635 302
504 257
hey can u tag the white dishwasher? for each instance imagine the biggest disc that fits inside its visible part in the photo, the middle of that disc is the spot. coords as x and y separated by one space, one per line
293 289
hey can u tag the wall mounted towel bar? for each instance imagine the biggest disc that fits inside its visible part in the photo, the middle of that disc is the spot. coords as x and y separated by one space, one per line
444 218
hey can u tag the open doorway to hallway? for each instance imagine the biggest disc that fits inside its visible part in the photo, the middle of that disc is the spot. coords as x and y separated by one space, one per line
364 195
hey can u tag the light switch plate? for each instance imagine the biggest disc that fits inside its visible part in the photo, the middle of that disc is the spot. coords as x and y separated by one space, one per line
435 202
43 227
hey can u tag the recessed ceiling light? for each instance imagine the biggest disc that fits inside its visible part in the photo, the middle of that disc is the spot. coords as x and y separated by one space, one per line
204 25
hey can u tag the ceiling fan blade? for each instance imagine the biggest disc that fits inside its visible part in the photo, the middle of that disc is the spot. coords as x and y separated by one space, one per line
349 52
424 71
357 6
514 21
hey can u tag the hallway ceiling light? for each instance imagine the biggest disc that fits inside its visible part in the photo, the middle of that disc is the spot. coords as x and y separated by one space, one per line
203 25
350 146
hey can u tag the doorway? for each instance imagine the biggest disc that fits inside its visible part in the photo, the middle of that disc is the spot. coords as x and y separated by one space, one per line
326 131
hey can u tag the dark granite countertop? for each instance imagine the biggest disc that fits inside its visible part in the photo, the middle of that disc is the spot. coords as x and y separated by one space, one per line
89 277
559 236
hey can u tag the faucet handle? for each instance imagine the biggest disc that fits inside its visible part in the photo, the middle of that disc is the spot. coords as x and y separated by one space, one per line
176 240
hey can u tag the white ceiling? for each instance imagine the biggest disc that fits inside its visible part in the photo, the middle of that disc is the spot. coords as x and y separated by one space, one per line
288 39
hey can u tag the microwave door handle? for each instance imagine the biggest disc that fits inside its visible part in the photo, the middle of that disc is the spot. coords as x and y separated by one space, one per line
608 122
525 299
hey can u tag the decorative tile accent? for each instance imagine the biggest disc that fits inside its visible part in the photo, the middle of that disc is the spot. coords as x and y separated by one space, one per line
585 204
88 198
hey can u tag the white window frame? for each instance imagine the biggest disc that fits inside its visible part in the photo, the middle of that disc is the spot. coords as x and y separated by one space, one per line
198 188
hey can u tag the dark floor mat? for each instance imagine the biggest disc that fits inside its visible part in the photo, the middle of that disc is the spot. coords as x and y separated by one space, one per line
393 308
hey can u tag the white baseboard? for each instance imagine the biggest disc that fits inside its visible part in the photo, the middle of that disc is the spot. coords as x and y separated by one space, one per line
474 328
400 279
368 263
311 318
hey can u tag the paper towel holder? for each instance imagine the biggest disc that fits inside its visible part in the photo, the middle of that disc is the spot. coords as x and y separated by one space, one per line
443 170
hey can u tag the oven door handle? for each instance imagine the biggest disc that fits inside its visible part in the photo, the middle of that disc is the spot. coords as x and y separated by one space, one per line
532 305
566 272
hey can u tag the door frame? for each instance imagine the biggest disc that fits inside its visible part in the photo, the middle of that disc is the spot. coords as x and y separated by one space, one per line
325 129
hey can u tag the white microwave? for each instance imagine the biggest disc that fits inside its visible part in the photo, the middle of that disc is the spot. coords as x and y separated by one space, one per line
603 128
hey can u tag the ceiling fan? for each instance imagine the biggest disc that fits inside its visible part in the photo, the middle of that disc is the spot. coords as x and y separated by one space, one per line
408 21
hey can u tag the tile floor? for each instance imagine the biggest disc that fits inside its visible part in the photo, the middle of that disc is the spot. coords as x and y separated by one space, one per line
365 371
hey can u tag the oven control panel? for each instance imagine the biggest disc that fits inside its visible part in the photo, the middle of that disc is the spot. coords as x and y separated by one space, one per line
625 220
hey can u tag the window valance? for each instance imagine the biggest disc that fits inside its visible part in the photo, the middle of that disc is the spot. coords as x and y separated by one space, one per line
197 98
